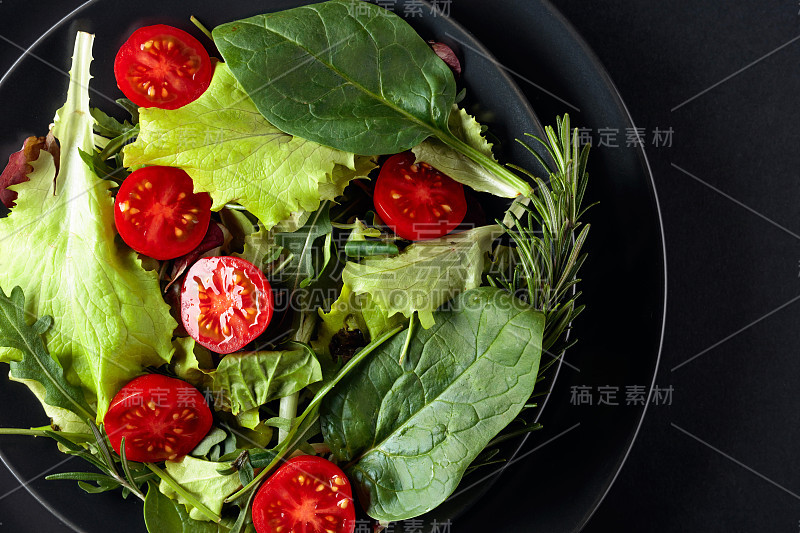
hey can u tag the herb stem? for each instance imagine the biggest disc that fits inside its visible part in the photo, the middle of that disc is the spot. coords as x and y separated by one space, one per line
166 478
201 27
287 410
43 433
288 405
408 340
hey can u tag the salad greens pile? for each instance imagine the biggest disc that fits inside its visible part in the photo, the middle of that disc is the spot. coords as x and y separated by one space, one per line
403 362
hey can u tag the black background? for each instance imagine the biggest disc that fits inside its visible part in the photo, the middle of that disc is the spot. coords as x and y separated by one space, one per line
732 246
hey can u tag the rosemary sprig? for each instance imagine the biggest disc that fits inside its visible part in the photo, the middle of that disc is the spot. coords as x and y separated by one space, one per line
548 235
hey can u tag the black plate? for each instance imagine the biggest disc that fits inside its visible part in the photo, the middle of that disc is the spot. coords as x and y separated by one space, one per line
560 484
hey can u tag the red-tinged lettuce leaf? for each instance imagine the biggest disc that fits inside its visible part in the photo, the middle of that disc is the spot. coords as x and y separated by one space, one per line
59 245
447 55
213 239
19 165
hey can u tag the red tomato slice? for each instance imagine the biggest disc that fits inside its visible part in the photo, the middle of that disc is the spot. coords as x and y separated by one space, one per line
160 417
161 66
307 494
158 214
226 302
416 200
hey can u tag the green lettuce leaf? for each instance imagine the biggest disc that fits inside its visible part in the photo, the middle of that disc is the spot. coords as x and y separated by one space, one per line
234 154
203 481
59 247
193 363
249 380
354 311
426 275
457 165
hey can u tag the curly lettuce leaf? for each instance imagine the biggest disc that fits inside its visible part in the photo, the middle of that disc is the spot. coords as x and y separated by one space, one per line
19 165
426 275
59 247
233 153
457 165
354 311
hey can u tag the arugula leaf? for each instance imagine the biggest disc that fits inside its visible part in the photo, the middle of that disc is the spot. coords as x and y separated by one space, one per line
202 481
109 126
426 275
59 248
234 154
36 364
249 380
378 87
305 262
410 431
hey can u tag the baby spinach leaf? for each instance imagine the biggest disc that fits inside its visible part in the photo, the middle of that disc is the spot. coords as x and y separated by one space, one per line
249 380
410 431
378 88
426 275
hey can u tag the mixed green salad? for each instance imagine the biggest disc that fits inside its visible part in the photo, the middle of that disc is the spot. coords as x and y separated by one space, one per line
272 295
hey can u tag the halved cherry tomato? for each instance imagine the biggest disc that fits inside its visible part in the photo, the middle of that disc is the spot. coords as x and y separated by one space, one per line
308 494
226 302
416 200
158 214
160 417
161 66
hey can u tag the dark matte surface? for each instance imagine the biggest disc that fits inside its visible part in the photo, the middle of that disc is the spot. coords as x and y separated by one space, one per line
729 267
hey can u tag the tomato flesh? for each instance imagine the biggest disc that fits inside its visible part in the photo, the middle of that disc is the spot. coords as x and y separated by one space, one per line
226 302
417 201
307 494
161 66
158 214
161 418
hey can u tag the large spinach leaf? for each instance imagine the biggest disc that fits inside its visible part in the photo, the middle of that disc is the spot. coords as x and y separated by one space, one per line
411 429
350 75
394 88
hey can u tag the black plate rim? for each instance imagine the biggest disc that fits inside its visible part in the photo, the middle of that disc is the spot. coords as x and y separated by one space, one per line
587 50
